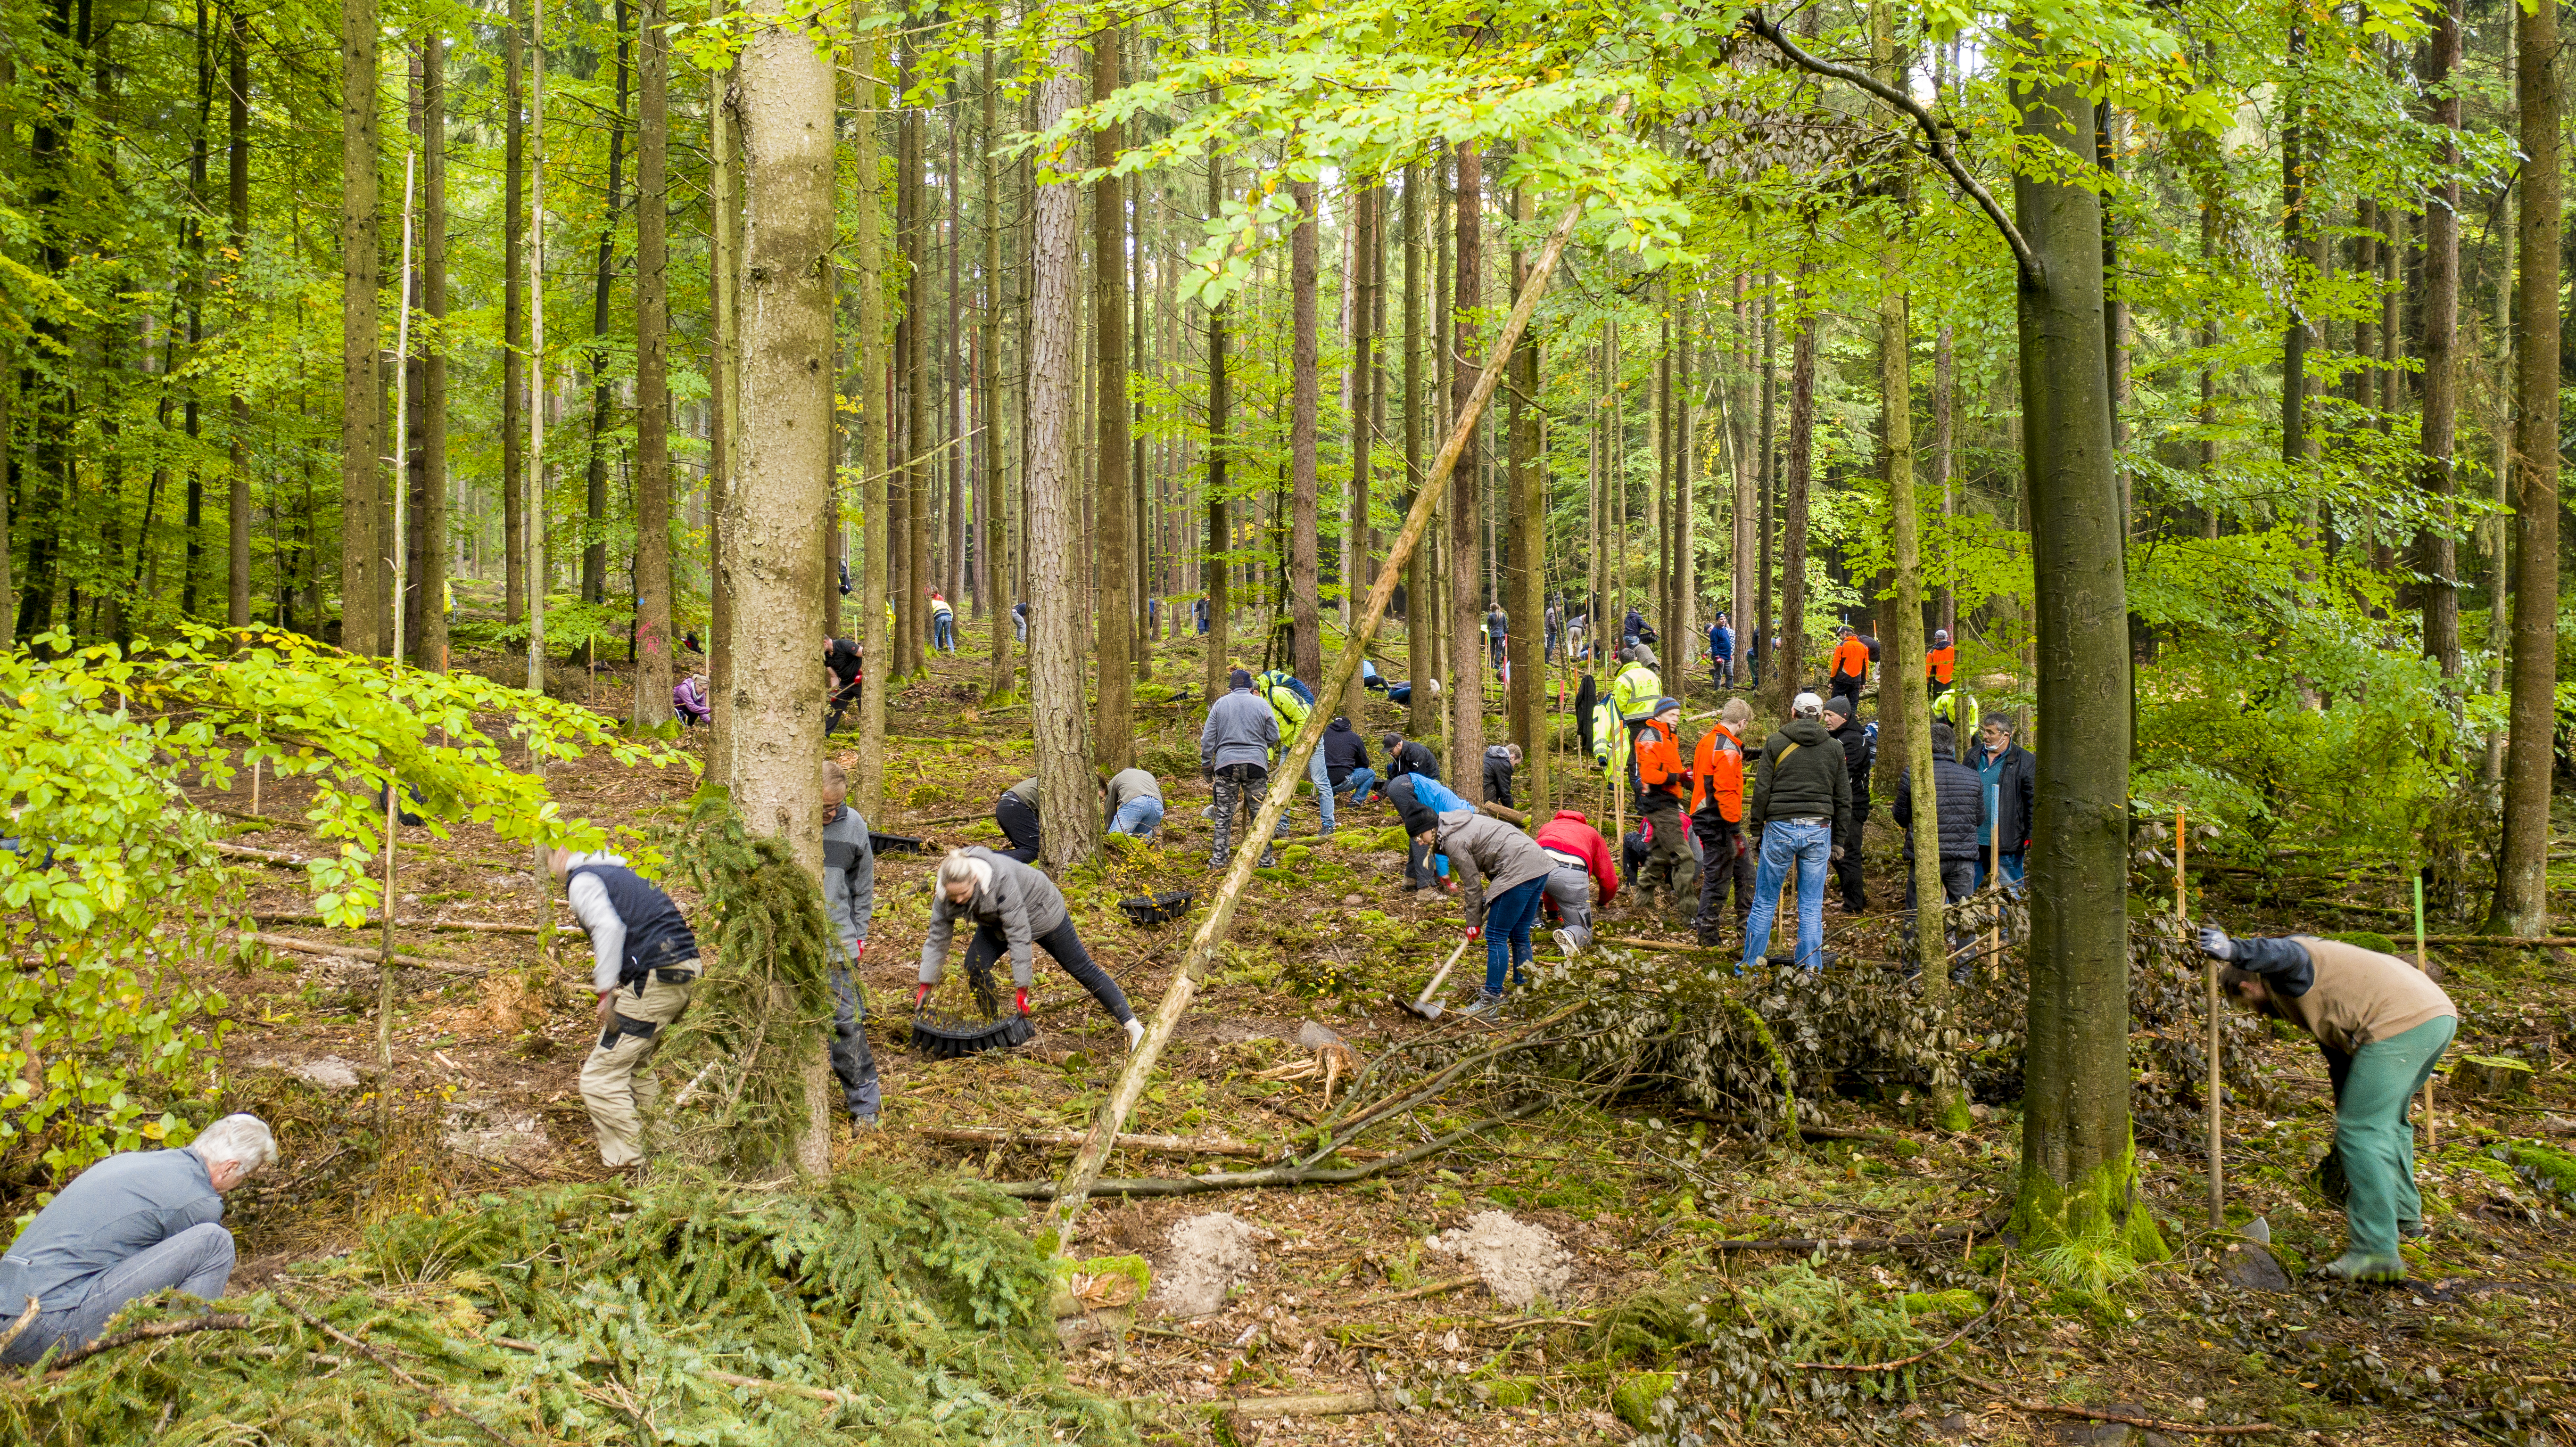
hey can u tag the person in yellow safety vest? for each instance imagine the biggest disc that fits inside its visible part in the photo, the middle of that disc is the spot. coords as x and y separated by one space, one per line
1288 704
1632 702
1958 708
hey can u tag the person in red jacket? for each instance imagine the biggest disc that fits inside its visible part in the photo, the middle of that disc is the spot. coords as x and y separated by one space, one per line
1582 860
1663 781
1717 816
1851 665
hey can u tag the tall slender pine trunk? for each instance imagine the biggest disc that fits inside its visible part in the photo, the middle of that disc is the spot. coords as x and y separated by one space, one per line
876 431
1305 608
1466 659
2436 550
1068 799
361 277
1114 724
652 375
514 321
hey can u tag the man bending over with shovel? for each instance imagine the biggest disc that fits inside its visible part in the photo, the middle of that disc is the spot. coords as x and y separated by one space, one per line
1503 908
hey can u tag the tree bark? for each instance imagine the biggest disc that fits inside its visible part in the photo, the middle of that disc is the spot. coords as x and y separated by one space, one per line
2521 904
998 595
867 789
1686 635
237 208
1114 722
724 385
594 548
1466 658
1368 207
1220 538
1744 524
514 325
2294 255
1305 608
2075 1134
1528 512
2436 550
425 550
1068 799
1417 597
652 383
361 350
1788 651
912 607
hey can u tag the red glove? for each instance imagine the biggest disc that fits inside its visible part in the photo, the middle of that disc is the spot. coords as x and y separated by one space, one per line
919 994
1020 997
858 951
1475 932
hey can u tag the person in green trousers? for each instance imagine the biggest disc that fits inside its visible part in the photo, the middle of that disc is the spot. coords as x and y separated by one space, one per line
2383 1027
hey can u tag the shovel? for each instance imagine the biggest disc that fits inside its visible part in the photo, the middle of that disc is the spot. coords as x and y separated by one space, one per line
1427 1008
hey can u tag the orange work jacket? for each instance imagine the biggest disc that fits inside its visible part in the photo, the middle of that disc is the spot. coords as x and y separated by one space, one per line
1719 769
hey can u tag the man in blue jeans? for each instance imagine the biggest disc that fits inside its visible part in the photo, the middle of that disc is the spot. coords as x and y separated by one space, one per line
1503 908
1135 800
134 1224
1801 803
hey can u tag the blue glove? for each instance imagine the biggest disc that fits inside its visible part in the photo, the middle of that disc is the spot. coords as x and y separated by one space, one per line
2215 943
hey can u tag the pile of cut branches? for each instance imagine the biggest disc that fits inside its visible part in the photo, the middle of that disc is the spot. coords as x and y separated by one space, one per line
685 1310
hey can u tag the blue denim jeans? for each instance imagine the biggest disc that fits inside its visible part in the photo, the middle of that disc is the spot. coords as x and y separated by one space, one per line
1137 818
943 631
1508 918
1322 779
1361 782
1807 848
2012 865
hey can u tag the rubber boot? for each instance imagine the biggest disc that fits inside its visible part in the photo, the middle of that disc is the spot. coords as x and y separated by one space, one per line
2363 1266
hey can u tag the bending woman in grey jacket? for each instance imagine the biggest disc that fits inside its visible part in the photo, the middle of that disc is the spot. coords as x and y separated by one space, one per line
1011 907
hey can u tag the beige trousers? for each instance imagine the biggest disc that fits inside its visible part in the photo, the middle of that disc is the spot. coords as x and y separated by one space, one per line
617 1081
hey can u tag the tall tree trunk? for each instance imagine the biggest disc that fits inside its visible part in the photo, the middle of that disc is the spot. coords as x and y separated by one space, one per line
1368 206
1068 799
1788 651
532 522
997 587
724 383
425 550
1768 483
514 328
2522 860
237 211
594 549
1466 659
2437 551
1417 585
2076 1147
361 275
1686 636
652 385
1744 522
952 371
2294 255
1305 609
1220 537
196 304
1113 727
876 431
1528 511
913 609
775 542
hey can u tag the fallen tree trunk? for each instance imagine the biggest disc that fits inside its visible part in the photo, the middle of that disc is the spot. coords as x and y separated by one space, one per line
276 858
468 926
1171 1145
1271 1176
358 953
1291 770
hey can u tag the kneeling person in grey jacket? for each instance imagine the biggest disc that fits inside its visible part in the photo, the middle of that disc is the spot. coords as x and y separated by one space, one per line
644 963
1503 907
131 1225
849 900
1011 907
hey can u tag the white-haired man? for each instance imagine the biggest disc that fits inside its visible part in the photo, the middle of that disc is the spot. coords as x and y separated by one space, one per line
133 1224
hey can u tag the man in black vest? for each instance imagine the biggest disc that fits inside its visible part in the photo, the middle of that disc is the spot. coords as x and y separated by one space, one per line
644 962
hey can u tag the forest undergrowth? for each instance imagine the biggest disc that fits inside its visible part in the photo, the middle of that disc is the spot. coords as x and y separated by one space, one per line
1706 1273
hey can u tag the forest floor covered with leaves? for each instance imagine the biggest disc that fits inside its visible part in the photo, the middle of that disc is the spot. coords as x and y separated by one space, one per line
1625 1259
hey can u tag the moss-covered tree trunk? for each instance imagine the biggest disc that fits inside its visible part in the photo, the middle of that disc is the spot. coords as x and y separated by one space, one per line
2076 1166
652 385
1114 724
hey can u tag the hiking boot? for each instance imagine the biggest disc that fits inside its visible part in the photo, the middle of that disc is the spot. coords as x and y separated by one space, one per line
1270 859
1487 1006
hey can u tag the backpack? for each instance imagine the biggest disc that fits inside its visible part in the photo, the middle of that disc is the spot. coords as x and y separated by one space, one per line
1869 751
1873 648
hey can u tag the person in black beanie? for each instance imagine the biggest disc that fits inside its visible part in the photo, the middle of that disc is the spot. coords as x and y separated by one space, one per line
1860 749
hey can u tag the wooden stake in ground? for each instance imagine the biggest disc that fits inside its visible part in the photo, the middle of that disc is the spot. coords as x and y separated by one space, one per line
1113 1112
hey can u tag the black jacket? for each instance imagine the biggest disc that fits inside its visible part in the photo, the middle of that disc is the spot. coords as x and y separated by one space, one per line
1412 758
1962 798
2016 786
1854 737
843 659
1498 776
1801 776
1344 750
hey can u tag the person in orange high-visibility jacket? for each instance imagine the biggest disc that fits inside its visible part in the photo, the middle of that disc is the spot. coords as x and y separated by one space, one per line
1941 662
1717 816
1662 782
1851 665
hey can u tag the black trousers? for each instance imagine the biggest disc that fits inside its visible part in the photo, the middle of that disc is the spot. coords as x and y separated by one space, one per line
1725 868
843 699
1064 947
1020 826
1846 870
